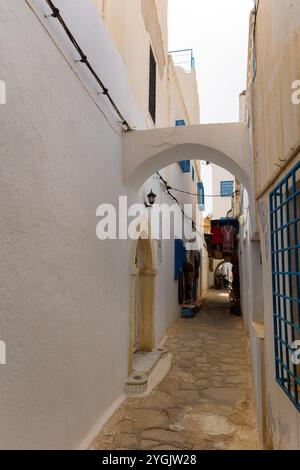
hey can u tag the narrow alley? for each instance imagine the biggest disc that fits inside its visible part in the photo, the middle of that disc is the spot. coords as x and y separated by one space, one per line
150 226
204 401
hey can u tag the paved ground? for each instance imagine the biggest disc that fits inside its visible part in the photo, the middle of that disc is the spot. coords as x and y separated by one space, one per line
204 402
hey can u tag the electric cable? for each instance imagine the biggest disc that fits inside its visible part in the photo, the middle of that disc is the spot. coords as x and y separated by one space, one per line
190 193
84 60
168 188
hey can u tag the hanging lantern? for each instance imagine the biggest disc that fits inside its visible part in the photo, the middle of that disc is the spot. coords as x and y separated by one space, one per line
151 198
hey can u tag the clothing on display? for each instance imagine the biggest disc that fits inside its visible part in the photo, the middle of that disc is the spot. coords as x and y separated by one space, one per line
217 235
209 245
218 253
228 233
224 237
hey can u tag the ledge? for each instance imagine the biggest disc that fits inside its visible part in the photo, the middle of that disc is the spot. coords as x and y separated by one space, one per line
259 329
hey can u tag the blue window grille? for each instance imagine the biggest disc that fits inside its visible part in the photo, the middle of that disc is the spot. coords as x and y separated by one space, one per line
180 256
185 165
201 196
227 188
285 245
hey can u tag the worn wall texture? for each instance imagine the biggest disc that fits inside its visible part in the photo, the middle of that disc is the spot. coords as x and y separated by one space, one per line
275 126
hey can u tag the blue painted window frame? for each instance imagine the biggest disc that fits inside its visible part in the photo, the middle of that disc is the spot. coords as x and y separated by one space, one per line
226 188
201 196
185 166
285 249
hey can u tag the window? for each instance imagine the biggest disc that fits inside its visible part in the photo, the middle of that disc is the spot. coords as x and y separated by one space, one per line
201 196
185 166
226 188
152 86
285 246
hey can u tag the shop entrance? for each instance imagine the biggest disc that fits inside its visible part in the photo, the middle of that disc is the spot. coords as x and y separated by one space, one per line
222 247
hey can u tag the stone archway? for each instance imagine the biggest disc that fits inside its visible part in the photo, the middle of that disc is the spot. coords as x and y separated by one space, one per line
225 261
147 151
143 280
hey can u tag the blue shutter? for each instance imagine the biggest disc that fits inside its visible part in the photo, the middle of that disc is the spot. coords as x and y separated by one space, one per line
226 188
201 196
180 256
185 165
193 173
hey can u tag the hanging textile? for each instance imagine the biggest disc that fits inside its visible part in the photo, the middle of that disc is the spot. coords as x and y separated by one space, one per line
217 236
218 253
228 234
209 246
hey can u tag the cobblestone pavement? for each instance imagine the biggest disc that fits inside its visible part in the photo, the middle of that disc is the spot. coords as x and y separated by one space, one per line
204 402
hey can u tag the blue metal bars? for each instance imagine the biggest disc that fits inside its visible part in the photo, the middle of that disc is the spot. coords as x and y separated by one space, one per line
285 250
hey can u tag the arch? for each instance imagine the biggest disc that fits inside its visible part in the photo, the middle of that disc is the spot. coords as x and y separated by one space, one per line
218 267
226 145
143 280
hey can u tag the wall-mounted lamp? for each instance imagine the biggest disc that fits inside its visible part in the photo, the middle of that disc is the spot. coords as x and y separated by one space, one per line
151 198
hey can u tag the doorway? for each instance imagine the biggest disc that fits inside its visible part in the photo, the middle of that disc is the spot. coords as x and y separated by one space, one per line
142 300
223 276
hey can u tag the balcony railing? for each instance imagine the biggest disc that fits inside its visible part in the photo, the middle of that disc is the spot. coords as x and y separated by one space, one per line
184 58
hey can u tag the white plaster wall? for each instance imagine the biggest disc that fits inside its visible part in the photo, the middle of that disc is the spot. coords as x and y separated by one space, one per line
65 295
274 127
188 81
134 25
66 329
221 205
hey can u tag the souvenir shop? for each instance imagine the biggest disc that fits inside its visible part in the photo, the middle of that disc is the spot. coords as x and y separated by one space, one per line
222 245
187 273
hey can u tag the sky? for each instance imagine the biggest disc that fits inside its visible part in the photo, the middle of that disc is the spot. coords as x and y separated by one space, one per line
217 31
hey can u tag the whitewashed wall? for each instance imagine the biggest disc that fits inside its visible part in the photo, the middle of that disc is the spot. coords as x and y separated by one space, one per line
65 326
221 205
64 294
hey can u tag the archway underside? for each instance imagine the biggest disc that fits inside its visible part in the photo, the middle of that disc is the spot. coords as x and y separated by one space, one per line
226 145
